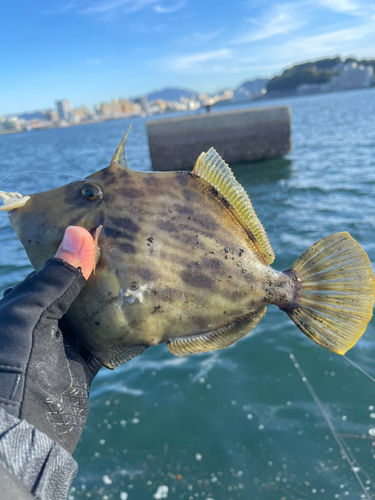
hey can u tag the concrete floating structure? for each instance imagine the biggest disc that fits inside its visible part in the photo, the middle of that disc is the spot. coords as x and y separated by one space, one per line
239 135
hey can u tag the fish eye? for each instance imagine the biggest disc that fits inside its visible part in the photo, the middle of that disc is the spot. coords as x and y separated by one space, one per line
91 191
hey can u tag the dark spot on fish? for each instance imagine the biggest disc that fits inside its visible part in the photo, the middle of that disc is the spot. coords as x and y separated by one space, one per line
211 264
206 221
97 323
167 226
124 173
131 193
127 248
150 180
156 309
196 278
151 239
125 223
240 252
29 241
187 195
184 210
147 275
213 191
183 178
113 233
187 238
168 294
200 321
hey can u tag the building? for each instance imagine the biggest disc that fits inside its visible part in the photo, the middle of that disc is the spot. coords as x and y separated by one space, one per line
142 101
352 76
13 123
64 109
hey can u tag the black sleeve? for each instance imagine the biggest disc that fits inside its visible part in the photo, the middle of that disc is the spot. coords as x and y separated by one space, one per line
44 468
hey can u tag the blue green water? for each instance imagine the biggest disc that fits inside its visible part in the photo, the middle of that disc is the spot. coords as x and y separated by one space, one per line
237 423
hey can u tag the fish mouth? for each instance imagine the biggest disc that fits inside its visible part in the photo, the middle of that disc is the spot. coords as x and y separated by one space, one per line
12 200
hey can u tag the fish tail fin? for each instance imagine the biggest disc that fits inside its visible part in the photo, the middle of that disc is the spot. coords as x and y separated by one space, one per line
335 292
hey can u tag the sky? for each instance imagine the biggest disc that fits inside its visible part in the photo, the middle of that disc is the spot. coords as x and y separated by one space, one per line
90 51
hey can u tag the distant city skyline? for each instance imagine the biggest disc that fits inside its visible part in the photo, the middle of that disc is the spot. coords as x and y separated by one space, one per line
90 51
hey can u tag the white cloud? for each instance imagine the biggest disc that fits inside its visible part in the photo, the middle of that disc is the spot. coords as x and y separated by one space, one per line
346 41
338 5
60 10
193 62
110 5
199 38
166 10
282 19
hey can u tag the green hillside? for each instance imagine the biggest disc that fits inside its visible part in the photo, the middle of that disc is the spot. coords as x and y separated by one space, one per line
311 72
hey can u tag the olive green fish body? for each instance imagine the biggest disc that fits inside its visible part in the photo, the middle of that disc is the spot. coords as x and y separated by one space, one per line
184 260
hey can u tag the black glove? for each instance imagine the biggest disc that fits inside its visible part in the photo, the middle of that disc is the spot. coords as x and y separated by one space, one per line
45 375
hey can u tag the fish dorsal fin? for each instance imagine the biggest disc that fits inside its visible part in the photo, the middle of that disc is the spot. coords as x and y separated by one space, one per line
213 169
119 156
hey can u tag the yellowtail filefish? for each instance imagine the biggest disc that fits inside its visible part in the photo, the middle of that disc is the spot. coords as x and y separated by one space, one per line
185 261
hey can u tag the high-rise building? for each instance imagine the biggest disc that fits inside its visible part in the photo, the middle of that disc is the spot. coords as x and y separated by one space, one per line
64 109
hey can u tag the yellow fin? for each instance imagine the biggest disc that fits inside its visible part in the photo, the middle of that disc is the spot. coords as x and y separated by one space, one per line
213 169
216 340
336 298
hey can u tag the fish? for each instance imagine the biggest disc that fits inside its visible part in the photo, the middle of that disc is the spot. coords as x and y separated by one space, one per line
184 260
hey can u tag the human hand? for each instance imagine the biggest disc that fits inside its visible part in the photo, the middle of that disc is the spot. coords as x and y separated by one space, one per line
45 374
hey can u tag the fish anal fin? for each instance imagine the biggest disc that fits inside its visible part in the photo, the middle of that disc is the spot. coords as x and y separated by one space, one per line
213 169
218 339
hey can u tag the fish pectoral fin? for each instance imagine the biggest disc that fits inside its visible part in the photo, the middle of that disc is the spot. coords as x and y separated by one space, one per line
218 339
213 169
112 356
336 295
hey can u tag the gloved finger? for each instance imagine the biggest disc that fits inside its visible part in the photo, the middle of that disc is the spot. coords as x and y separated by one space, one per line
79 249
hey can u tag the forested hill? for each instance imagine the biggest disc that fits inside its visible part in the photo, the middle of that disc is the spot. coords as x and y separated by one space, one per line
311 72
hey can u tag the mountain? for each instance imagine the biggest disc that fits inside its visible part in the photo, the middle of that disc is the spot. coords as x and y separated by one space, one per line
171 94
250 89
39 115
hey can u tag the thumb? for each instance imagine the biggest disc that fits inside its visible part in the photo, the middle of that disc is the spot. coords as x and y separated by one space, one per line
79 249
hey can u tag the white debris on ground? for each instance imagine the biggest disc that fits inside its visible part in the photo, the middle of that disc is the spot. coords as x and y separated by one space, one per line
161 492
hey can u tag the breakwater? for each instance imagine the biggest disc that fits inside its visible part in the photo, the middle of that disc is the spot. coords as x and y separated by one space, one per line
238 135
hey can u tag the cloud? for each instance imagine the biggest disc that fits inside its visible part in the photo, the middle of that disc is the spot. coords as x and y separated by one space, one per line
60 10
343 41
166 10
199 38
338 5
108 6
193 62
282 19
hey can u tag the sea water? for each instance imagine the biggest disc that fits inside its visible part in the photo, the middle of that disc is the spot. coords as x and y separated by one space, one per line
238 423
